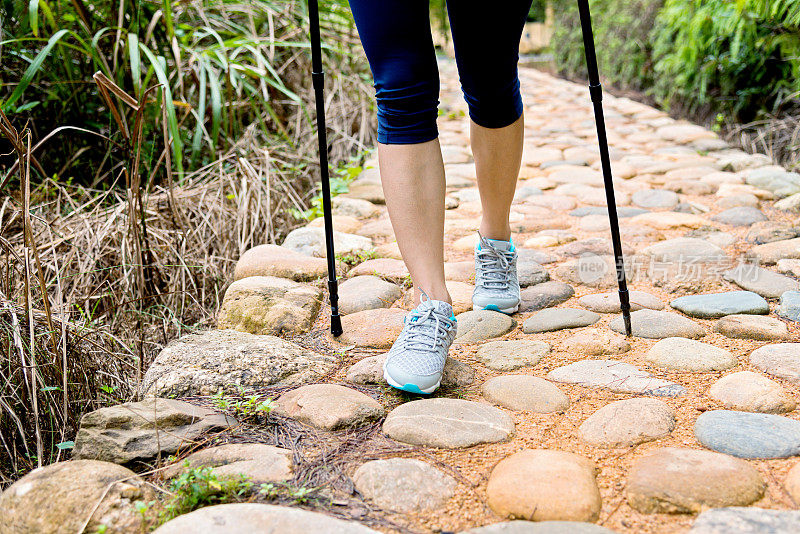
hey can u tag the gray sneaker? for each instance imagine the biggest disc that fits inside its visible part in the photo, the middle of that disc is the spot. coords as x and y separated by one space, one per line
496 283
415 362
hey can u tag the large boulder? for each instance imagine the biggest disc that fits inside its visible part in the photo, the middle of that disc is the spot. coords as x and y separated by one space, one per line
206 362
68 496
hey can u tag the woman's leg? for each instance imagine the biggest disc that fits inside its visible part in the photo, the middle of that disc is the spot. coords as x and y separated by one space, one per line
487 66
397 40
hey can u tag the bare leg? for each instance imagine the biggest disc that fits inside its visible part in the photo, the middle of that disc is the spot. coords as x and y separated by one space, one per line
413 184
498 154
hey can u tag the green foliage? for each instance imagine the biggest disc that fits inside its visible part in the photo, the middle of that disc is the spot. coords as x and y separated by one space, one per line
339 182
244 406
199 486
622 36
741 56
221 64
354 258
737 57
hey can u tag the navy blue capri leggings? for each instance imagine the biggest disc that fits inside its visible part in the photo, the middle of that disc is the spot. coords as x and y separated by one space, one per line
396 35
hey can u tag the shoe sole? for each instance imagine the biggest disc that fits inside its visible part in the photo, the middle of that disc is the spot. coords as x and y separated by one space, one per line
411 388
492 307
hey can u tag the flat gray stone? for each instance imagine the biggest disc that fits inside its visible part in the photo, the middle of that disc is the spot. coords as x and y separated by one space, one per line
746 391
616 376
530 273
771 253
748 435
774 179
678 480
790 267
257 518
310 240
622 211
740 216
273 260
771 231
758 327
204 363
790 306
508 355
544 295
551 319
595 342
790 204
328 406
627 423
739 520
655 199
685 249
366 293
525 393
609 302
715 305
404 485
689 356
593 245
447 423
540 527
354 207
370 371
766 283
478 325
655 324
779 359
139 432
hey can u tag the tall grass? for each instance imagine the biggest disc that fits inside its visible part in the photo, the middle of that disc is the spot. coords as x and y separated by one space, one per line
148 146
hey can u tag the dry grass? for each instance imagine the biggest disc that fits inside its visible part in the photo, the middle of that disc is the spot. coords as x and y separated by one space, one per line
777 136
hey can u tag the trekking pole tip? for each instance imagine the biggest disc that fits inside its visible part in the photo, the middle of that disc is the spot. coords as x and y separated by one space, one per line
336 325
626 318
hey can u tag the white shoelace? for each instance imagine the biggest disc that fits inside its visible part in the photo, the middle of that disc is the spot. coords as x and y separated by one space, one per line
421 335
494 266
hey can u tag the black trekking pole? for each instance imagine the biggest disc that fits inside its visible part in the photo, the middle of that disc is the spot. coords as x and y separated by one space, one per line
596 93
318 78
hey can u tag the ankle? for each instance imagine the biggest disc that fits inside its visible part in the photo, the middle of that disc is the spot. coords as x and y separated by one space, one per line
498 232
434 293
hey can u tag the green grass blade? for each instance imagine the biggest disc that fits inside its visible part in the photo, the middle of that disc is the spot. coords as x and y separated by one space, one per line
33 17
136 63
33 69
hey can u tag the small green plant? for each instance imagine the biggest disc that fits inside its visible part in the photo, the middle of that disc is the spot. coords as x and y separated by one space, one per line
243 405
199 486
339 181
354 258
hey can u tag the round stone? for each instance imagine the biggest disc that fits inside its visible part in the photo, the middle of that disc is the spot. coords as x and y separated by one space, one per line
595 342
540 527
792 482
751 392
253 518
686 356
61 496
404 485
756 327
669 220
530 273
259 463
447 423
656 324
627 423
790 306
675 480
354 207
616 376
551 319
273 260
311 241
686 250
737 520
544 295
512 354
543 485
720 304
366 293
375 329
762 281
655 199
771 253
780 359
748 435
328 406
609 302
524 393
771 231
386 268
478 325
740 216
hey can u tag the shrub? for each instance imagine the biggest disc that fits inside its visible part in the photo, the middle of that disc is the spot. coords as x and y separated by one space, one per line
738 57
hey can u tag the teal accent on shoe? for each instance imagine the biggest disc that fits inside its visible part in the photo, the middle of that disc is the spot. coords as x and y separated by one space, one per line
512 248
453 317
492 307
411 388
